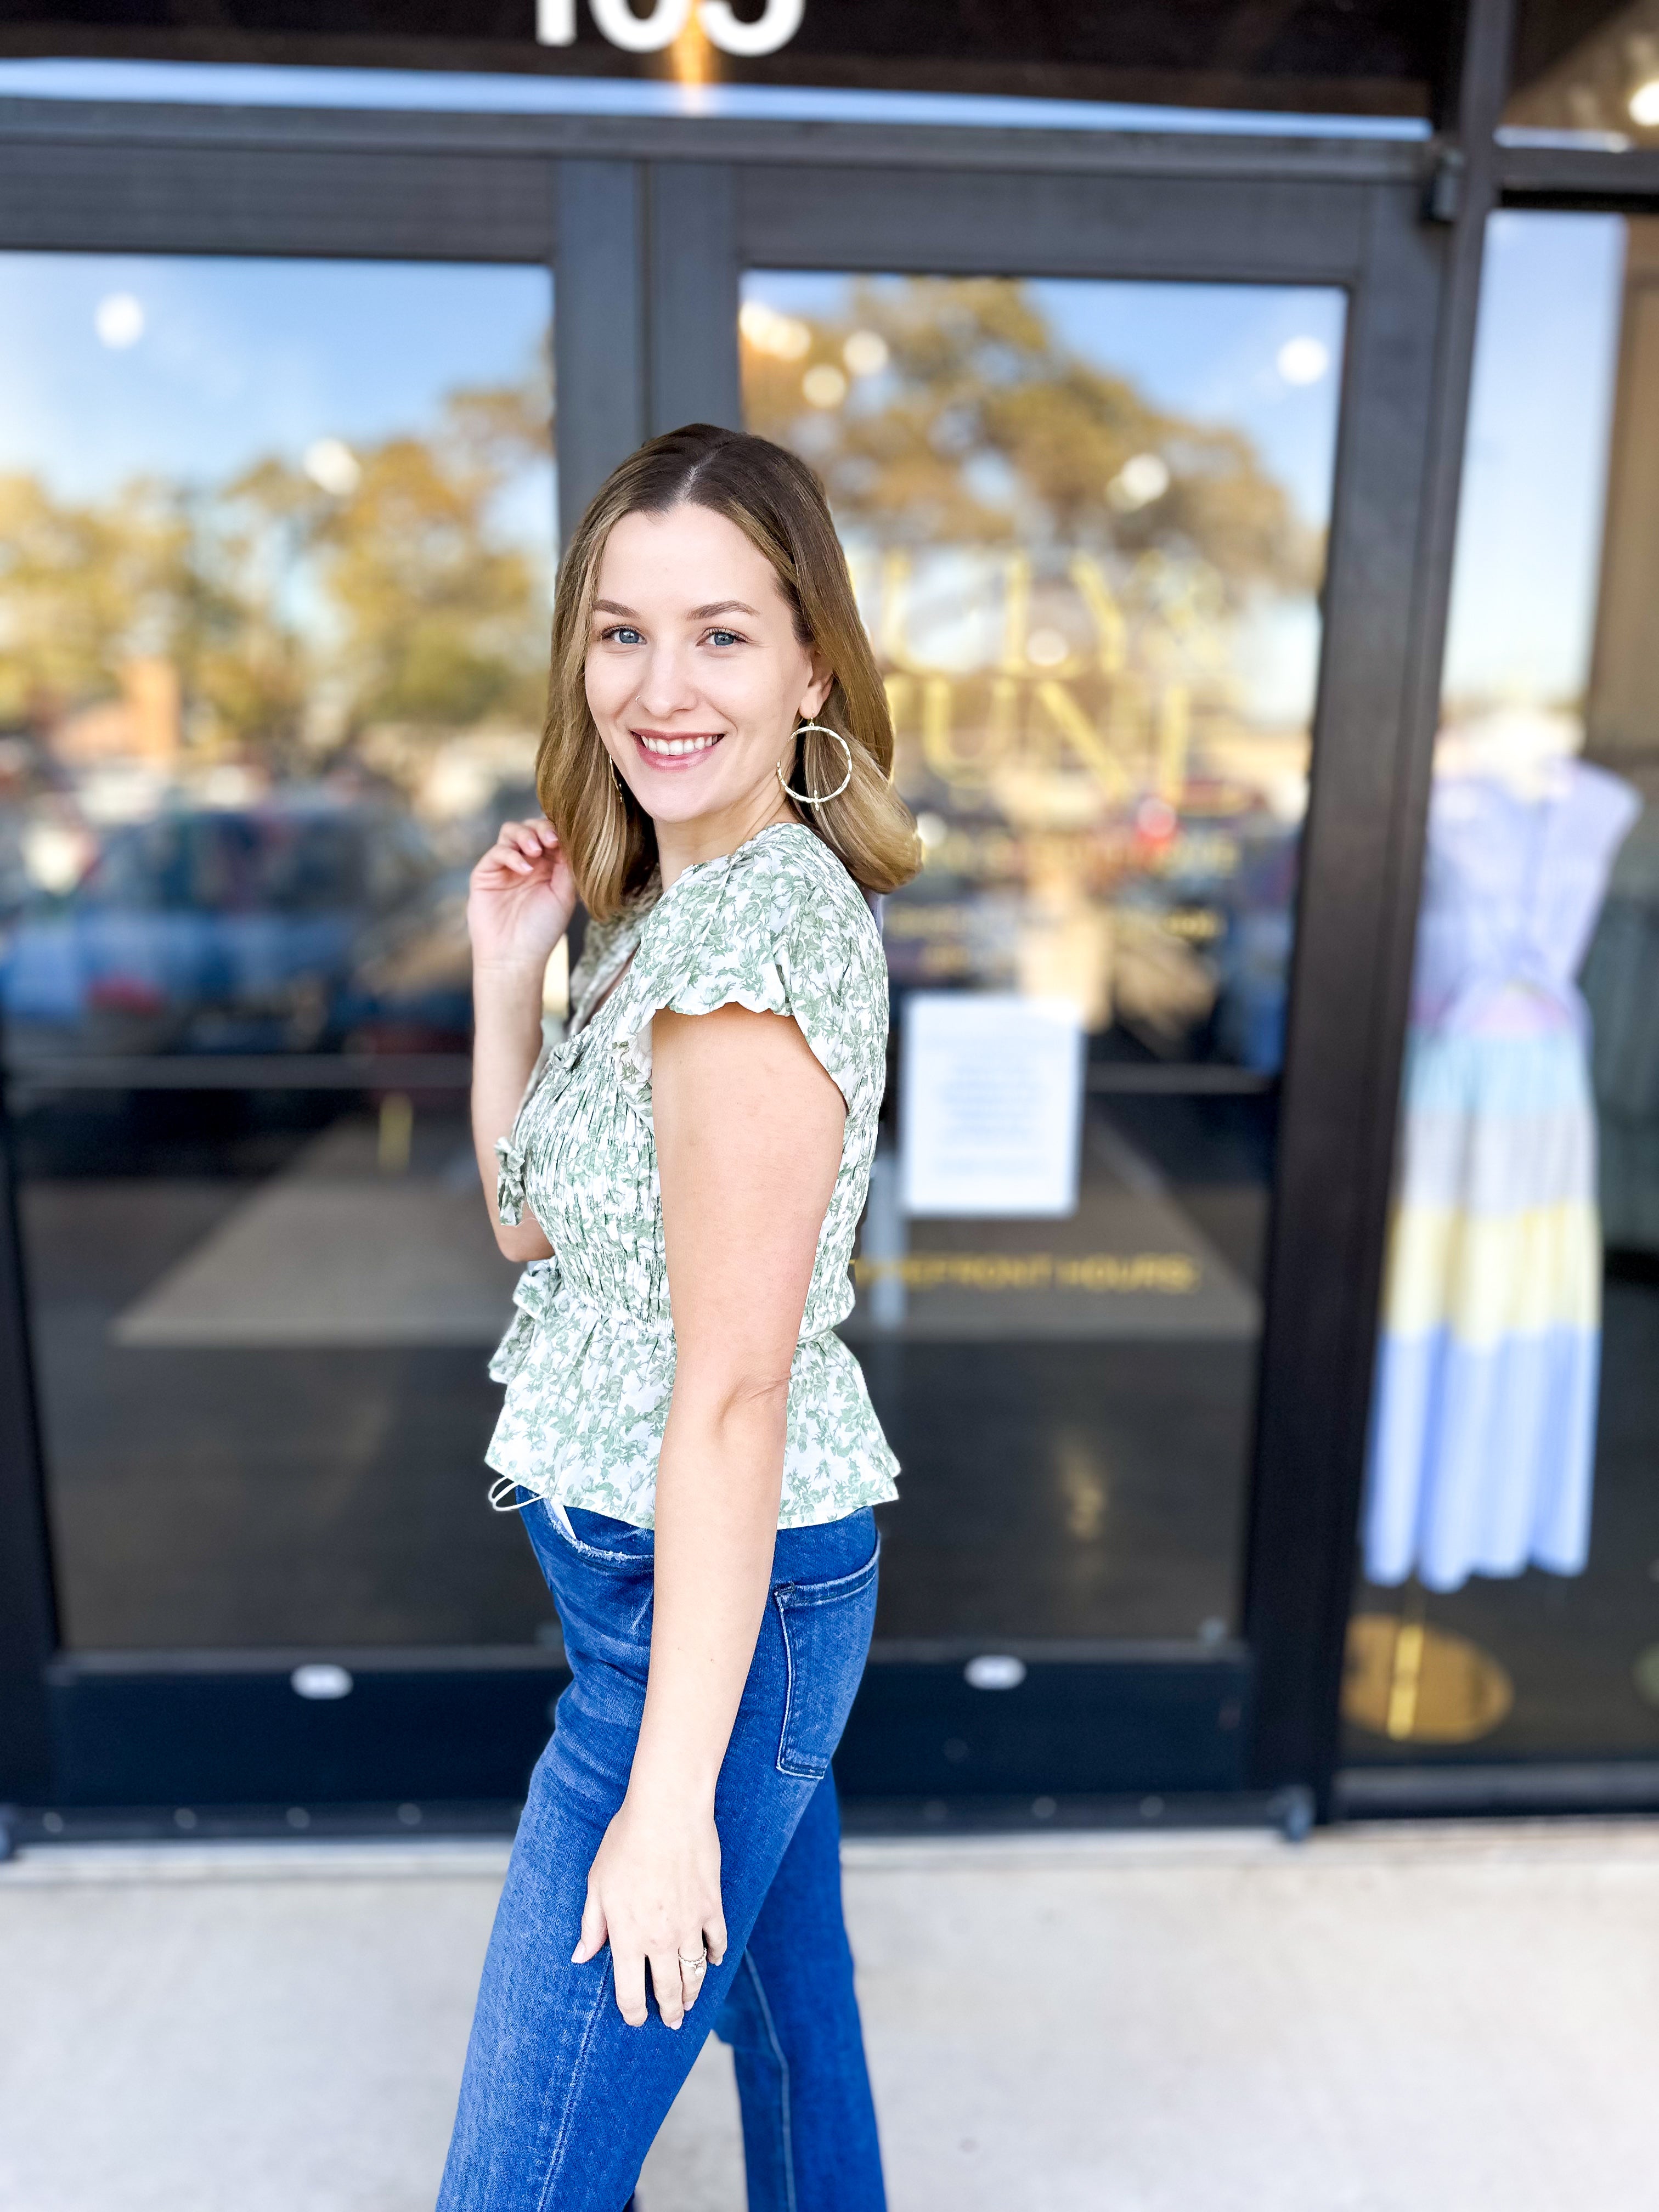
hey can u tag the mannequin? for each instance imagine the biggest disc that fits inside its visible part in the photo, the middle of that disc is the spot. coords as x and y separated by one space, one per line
1484 1421
1530 752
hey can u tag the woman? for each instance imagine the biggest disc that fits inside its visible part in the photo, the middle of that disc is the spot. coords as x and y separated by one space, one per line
692 1445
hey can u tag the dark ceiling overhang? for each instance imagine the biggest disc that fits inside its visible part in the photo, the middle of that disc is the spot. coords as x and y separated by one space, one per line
1331 56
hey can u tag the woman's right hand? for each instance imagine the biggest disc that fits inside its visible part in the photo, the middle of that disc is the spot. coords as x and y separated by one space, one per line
520 897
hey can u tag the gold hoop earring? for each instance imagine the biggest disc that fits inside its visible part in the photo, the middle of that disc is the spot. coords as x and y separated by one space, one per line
817 798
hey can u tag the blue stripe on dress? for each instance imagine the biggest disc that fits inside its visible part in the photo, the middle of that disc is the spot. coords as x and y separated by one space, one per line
1482 1452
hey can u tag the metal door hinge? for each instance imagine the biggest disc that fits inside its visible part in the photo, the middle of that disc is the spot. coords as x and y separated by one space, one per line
1442 193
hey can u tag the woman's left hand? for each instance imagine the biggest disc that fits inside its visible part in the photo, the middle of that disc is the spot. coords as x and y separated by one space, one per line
653 1893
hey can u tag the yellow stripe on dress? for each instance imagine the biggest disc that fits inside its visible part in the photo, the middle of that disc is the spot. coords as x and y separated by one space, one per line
1484 1278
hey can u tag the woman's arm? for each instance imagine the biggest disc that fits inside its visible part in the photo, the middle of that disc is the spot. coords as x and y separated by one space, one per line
749 1132
519 906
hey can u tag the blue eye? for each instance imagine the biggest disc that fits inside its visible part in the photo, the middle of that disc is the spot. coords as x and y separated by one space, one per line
724 637
622 634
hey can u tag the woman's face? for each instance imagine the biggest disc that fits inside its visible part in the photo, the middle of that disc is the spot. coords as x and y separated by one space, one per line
696 678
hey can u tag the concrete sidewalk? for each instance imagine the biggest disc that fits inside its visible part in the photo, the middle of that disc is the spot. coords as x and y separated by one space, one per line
1405 2019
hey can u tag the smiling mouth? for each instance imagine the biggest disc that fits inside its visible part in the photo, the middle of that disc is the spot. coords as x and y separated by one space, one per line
665 751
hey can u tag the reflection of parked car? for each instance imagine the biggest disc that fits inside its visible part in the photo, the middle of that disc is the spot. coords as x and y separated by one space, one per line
222 930
410 985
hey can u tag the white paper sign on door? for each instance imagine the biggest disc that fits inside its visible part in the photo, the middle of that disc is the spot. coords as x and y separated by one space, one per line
990 1104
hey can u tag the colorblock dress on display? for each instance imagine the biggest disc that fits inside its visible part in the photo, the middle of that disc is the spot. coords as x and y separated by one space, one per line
1483 1420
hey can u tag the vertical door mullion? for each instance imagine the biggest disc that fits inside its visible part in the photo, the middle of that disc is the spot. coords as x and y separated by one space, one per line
600 335
692 288
1336 1128
28 1633
1389 582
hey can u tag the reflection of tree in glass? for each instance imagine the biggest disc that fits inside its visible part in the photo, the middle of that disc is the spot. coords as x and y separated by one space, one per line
980 427
394 595
84 588
1057 572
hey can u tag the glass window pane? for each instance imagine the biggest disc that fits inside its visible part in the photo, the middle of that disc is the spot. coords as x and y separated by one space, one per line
1510 1591
273 619
1086 524
1586 69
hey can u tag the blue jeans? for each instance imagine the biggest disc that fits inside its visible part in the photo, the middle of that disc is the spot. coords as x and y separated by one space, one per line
561 2098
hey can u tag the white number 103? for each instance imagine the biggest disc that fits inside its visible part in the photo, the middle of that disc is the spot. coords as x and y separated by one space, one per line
555 25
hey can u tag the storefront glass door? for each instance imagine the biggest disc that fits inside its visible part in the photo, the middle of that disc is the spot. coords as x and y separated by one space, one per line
1508 1607
1086 520
273 616
279 537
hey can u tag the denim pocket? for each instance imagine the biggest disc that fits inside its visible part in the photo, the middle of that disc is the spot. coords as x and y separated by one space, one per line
603 1591
604 1541
826 1634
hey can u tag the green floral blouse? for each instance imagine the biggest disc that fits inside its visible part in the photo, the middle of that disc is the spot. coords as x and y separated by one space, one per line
778 926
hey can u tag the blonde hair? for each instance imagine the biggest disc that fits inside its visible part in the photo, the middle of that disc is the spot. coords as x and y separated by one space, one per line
778 503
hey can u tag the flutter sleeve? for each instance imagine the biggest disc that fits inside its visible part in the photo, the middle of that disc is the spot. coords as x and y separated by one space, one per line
780 933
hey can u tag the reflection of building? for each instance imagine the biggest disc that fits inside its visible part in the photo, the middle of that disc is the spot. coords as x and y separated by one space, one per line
1622 732
141 725
1578 65
1623 707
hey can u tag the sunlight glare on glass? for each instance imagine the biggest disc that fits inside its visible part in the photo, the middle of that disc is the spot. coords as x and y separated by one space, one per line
1304 361
823 386
333 467
58 854
1645 104
119 319
1139 482
767 331
864 353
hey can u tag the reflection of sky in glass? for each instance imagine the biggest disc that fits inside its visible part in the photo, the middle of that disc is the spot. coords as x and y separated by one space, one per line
1208 350
237 359
1214 351
1263 360
234 83
1528 543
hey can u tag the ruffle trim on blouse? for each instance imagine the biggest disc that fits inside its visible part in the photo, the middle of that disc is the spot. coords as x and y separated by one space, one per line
688 964
586 1405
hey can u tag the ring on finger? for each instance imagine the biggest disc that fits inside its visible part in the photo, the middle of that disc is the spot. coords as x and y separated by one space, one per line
693 1966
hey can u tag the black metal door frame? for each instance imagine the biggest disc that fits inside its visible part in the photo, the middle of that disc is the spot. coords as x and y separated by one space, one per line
1352 215
648 226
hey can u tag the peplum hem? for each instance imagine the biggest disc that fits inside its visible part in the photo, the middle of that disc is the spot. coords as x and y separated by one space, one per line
587 1392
